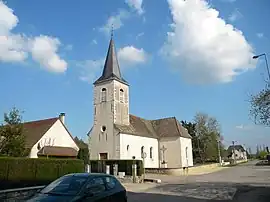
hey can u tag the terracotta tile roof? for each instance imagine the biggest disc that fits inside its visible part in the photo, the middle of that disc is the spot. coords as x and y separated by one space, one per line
34 130
167 127
57 151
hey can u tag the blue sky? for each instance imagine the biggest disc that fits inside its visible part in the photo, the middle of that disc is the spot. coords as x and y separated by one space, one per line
180 57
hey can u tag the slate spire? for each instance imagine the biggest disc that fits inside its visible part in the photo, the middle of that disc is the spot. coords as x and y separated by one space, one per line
111 70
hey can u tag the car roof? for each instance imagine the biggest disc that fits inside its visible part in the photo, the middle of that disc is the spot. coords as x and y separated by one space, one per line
89 175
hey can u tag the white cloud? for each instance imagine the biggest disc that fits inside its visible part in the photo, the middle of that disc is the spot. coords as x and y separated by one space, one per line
135 5
15 47
139 35
202 46
90 69
12 46
236 15
94 41
116 21
129 56
260 35
44 51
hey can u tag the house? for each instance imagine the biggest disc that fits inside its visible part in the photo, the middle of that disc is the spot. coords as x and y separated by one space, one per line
116 134
49 137
237 152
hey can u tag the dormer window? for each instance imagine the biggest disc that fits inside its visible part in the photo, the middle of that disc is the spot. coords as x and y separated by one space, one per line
121 95
103 95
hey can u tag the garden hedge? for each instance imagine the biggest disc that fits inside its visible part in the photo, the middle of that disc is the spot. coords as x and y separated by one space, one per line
99 166
21 172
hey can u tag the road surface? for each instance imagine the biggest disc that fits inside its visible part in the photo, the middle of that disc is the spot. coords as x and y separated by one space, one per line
245 182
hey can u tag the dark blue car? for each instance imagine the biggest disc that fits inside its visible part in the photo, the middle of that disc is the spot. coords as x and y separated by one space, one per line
81 187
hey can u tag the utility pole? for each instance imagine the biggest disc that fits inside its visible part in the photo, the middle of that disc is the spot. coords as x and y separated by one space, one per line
233 151
219 156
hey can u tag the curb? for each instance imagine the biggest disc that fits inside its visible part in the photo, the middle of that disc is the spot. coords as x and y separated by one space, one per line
152 180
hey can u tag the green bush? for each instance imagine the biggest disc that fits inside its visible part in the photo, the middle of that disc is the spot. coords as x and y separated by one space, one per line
99 166
35 171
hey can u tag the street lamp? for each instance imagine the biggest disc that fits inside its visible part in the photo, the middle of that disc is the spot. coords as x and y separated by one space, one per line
266 62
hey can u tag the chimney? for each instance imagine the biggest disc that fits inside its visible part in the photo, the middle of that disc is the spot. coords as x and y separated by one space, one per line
62 117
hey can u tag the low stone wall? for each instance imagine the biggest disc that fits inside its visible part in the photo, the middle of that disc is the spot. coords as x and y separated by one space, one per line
201 169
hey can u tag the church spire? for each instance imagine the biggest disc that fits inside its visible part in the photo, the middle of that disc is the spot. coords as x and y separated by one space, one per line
111 68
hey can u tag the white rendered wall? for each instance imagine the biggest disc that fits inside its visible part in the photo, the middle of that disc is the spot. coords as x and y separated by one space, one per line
57 135
186 142
135 143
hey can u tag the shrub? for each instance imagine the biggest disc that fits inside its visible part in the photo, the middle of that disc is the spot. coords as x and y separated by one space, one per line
99 166
20 172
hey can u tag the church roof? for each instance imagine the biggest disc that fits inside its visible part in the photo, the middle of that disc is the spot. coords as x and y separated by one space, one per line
160 128
111 70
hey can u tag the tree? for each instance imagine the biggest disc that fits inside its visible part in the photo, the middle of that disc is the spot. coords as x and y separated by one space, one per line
11 133
260 107
208 136
83 153
191 128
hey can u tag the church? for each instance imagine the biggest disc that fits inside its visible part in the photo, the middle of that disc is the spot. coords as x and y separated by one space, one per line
117 134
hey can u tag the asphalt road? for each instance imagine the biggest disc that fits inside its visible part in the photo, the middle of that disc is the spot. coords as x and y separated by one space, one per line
245 182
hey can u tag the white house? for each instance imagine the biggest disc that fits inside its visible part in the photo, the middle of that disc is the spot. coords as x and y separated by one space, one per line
49 137
116 134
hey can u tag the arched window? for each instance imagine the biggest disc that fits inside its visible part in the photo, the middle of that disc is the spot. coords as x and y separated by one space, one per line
103 95
127 147
142 151
151 152
121 95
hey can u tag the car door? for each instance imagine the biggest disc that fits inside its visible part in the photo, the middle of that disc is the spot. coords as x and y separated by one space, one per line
98 190
115 192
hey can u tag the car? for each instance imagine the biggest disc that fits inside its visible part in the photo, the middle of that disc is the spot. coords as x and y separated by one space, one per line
80 187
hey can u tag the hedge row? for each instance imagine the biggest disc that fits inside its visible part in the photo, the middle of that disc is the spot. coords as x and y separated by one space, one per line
16 172
99 166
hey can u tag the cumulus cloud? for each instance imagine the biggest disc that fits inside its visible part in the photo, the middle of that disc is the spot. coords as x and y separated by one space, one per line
44 51
16 47
135 5
203 46
116 21
129 56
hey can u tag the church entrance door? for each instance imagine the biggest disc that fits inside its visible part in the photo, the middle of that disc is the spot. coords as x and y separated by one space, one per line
103 156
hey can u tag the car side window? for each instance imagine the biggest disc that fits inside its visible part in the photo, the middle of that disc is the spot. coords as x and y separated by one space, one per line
96 186
110 182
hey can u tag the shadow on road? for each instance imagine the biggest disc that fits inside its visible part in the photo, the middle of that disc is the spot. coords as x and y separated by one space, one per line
204 192
155 197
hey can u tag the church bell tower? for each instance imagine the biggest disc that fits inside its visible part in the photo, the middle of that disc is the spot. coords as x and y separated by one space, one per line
111 106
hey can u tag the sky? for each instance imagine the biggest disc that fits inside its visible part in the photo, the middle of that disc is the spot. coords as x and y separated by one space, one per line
180 57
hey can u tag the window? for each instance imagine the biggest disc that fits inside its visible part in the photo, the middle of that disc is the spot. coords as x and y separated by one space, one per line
103 95
66 185
110 182
96 186
151 152
127 147
121 98
142 151
103 128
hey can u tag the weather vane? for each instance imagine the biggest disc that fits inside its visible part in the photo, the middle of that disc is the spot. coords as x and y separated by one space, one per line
112 31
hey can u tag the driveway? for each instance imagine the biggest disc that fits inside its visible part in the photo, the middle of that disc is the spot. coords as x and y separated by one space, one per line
245 182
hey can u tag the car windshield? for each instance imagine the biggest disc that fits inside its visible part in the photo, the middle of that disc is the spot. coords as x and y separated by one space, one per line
67 185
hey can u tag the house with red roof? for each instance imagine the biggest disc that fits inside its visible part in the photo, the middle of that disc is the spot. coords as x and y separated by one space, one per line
50 138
